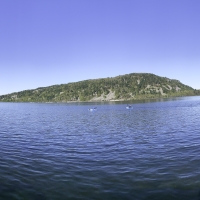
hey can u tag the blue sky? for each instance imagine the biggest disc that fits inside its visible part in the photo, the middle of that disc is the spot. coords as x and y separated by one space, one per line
47 42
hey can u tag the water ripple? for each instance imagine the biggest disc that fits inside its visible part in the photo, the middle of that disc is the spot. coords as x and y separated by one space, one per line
62 151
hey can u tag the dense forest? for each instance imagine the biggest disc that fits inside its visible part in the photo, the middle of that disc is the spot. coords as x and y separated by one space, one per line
125 87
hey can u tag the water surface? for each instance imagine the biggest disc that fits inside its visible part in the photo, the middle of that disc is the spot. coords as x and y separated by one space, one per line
63 151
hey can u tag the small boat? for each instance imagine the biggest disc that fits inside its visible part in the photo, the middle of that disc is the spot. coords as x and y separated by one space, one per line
129 107
92 109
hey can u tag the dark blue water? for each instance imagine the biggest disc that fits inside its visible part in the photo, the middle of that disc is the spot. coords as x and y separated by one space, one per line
64 151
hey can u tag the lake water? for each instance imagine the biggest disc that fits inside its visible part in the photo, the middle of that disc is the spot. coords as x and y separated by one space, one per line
63 151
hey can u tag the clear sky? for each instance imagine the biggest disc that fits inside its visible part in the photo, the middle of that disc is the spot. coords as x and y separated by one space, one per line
47 42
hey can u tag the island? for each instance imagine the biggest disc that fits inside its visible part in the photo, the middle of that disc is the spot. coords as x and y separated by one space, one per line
134 86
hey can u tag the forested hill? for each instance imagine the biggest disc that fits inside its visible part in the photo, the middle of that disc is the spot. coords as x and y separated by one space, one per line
126 87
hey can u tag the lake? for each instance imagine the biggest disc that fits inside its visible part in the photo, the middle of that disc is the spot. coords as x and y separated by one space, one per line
63 151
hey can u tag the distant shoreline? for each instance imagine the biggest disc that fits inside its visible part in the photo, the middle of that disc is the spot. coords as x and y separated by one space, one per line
103 101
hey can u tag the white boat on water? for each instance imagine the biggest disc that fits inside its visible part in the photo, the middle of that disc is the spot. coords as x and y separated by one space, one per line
129 107
92 109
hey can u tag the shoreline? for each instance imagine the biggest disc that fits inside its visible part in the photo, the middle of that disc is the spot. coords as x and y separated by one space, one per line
102 101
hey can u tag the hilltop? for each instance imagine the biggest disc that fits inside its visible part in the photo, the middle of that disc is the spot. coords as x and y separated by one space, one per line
125 87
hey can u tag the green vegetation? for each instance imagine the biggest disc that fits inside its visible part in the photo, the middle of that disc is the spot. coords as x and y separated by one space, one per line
126 87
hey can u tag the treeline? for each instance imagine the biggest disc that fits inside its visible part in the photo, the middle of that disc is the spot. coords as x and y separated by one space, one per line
126 87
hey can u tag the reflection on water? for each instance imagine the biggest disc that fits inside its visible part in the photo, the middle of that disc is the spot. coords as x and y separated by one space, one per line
63 151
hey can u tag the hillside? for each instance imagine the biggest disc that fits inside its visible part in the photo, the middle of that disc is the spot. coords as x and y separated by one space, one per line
125 87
